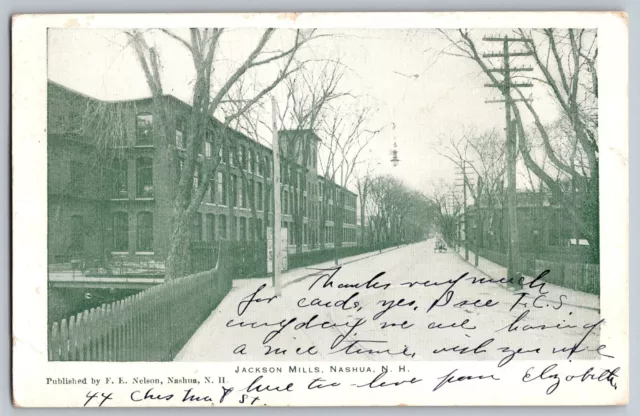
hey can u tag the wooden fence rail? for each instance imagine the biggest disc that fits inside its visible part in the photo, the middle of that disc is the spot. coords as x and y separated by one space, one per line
152 325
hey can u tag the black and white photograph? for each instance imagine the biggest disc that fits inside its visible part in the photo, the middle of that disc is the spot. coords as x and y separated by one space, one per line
342 205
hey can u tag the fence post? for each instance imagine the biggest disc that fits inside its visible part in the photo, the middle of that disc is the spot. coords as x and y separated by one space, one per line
54 342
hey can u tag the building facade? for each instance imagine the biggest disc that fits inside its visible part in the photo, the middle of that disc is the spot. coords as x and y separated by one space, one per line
111 195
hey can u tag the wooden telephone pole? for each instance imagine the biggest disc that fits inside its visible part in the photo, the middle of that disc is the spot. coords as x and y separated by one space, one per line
462 175
513 266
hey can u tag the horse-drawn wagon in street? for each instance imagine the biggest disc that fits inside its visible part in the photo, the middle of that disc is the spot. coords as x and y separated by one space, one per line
440 247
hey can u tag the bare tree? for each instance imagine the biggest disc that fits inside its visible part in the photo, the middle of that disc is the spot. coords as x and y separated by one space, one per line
481 156
566 60
364 177
447 206
308 96
396 213
346 133
206 98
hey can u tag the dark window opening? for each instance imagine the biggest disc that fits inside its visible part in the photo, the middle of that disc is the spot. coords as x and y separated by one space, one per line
145 232
222 225
144 177
211 227
144 129
120 179
120 231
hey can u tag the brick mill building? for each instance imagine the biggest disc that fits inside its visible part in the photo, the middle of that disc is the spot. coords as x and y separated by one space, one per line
110 197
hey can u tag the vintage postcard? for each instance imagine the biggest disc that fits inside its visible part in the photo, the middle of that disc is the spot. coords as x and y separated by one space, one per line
368 209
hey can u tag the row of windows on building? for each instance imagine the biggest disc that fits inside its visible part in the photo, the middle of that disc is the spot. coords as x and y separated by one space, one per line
244 156
249 159
205 227
120 232
218 192
144 178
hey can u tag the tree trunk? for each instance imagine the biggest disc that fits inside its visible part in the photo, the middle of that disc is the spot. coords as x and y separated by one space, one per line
363 198
178 256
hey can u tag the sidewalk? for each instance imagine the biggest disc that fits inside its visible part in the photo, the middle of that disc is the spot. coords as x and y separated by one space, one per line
573 297
200 346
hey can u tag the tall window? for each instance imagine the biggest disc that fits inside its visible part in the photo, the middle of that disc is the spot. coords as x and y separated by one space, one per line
243 229
144 177
212 191
241 157
120 178
240 192
291 203
211 227
259 227
259 205
259 164
120 231
77 234
221 189
145 232
251 230
196 227
144 129
285 203
222 226
232 151
251 193
267 167
232 190
180 132
208 138
250 160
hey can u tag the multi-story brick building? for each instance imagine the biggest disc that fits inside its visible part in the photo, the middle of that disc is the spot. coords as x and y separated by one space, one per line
110 196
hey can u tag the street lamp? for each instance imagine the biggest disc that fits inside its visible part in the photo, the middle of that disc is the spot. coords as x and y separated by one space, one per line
394 152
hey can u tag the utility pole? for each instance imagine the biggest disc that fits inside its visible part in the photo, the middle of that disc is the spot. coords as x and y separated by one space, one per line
452 198
277 242
338 224
513 266
465 218
476 222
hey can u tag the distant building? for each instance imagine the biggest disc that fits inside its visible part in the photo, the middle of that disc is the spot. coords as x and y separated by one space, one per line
112 199
541 223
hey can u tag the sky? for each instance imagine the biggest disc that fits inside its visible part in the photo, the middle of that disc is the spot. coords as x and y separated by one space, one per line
427 95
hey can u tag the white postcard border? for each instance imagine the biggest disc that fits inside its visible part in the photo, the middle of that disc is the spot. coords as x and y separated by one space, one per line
30 364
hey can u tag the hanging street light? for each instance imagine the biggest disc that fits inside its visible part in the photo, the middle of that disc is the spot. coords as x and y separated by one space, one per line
395 159
394 152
